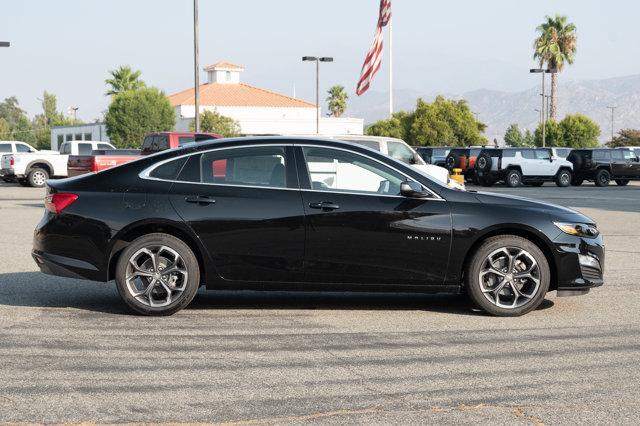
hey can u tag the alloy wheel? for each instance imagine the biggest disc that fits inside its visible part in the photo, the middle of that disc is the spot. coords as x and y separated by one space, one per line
39 178
565 179
509 277
156 276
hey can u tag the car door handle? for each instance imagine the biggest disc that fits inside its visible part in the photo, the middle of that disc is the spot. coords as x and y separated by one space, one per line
200 199
325 205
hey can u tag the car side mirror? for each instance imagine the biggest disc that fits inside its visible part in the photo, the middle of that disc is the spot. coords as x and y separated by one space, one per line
413 189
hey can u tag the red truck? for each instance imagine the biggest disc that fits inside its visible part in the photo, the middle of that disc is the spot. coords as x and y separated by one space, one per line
153 142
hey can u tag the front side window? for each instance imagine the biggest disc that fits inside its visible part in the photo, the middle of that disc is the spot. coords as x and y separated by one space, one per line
336 170
628 154
401 152
616 155
23 148
84 148
251 166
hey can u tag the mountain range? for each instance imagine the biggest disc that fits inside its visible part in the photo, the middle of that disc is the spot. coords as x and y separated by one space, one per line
498 109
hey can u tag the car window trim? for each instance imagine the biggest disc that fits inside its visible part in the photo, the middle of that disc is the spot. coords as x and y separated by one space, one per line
144 174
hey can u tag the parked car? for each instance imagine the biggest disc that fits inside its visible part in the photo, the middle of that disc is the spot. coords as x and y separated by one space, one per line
434 155
155 142
228 214
99 159
401 151
34 168
13 147
465 160
515 166
603 165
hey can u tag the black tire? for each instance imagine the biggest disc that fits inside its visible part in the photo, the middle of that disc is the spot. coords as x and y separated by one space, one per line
188 262
563 178
23 182
622 182
576 181
451 162
603 177
513 178
479 261
37 177
483 163
577 160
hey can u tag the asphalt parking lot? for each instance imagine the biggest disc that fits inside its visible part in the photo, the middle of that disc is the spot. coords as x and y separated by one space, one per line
71 352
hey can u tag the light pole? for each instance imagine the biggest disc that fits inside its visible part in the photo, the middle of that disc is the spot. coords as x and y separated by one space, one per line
317 61
547 99
612 108
544 121
196 65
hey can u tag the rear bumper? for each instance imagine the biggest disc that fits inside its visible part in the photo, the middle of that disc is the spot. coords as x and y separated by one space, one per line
62 266
8 173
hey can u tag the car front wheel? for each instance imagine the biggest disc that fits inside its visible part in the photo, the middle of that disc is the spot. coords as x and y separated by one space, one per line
513 178
507 276
157 274
563 178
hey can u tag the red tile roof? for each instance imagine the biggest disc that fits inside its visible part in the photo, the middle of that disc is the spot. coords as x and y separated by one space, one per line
238 94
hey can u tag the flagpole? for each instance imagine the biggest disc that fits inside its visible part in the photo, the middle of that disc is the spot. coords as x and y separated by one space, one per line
390 67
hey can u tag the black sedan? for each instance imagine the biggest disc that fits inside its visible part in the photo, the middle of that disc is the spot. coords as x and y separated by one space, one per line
301 214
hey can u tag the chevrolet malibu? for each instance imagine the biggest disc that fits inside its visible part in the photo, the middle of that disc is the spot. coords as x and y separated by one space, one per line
307 214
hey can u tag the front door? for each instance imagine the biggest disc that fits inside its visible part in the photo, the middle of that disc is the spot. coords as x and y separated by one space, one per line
361 231
245 205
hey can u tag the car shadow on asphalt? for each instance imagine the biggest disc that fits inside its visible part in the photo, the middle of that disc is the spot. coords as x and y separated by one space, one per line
34 289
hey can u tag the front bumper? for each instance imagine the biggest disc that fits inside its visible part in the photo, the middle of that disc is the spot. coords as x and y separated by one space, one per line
579 263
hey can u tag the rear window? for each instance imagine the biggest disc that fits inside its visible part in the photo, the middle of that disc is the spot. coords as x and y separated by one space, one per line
155 143
84 149
5 147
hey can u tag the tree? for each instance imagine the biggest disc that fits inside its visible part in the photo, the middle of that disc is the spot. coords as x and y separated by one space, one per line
398 126
5 130
50 117
515 137
134 113
555 45
124 79
554 135
337 100
580 131
625 137
212 122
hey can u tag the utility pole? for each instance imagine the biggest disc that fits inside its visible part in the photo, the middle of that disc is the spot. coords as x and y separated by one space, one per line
542 95
612 108
196 65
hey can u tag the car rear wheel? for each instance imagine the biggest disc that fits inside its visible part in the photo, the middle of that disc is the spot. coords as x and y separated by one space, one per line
622 182
513 178
603 177
563 178
37 177
158 274
507 276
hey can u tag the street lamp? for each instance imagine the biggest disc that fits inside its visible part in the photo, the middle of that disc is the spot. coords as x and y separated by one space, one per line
4 44
544 124
317 60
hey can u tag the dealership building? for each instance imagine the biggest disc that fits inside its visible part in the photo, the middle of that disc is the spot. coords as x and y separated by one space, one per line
258 111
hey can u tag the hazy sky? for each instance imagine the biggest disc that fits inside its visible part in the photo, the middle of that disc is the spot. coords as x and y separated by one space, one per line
452 46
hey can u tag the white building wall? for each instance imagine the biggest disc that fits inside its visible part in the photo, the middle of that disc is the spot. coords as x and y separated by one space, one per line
84 132
275 120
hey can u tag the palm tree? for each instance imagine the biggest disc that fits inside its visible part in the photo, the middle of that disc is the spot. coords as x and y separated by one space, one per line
337 100
123 79
555 45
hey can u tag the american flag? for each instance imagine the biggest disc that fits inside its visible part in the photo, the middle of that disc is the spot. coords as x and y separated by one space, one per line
374 57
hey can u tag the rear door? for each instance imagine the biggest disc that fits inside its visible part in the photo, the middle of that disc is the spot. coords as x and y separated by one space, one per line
360 230
244 204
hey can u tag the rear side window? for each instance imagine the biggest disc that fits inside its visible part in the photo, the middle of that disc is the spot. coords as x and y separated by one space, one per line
528 154
508 153
601 154
440 152
5 147
169 170
84 148
616 155
543 154
254 166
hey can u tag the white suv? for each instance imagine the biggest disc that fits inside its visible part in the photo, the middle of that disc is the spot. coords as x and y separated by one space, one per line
515 166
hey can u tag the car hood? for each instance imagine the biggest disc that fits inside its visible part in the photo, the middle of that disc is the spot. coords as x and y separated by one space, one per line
554 211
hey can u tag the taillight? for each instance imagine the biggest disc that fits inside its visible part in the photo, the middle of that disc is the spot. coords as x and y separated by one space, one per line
94 165
59 201
12 161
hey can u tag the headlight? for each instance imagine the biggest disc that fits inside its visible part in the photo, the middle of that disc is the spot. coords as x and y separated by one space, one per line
578 229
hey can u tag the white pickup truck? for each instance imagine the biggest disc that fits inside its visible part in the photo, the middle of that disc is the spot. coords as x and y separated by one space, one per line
34 168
